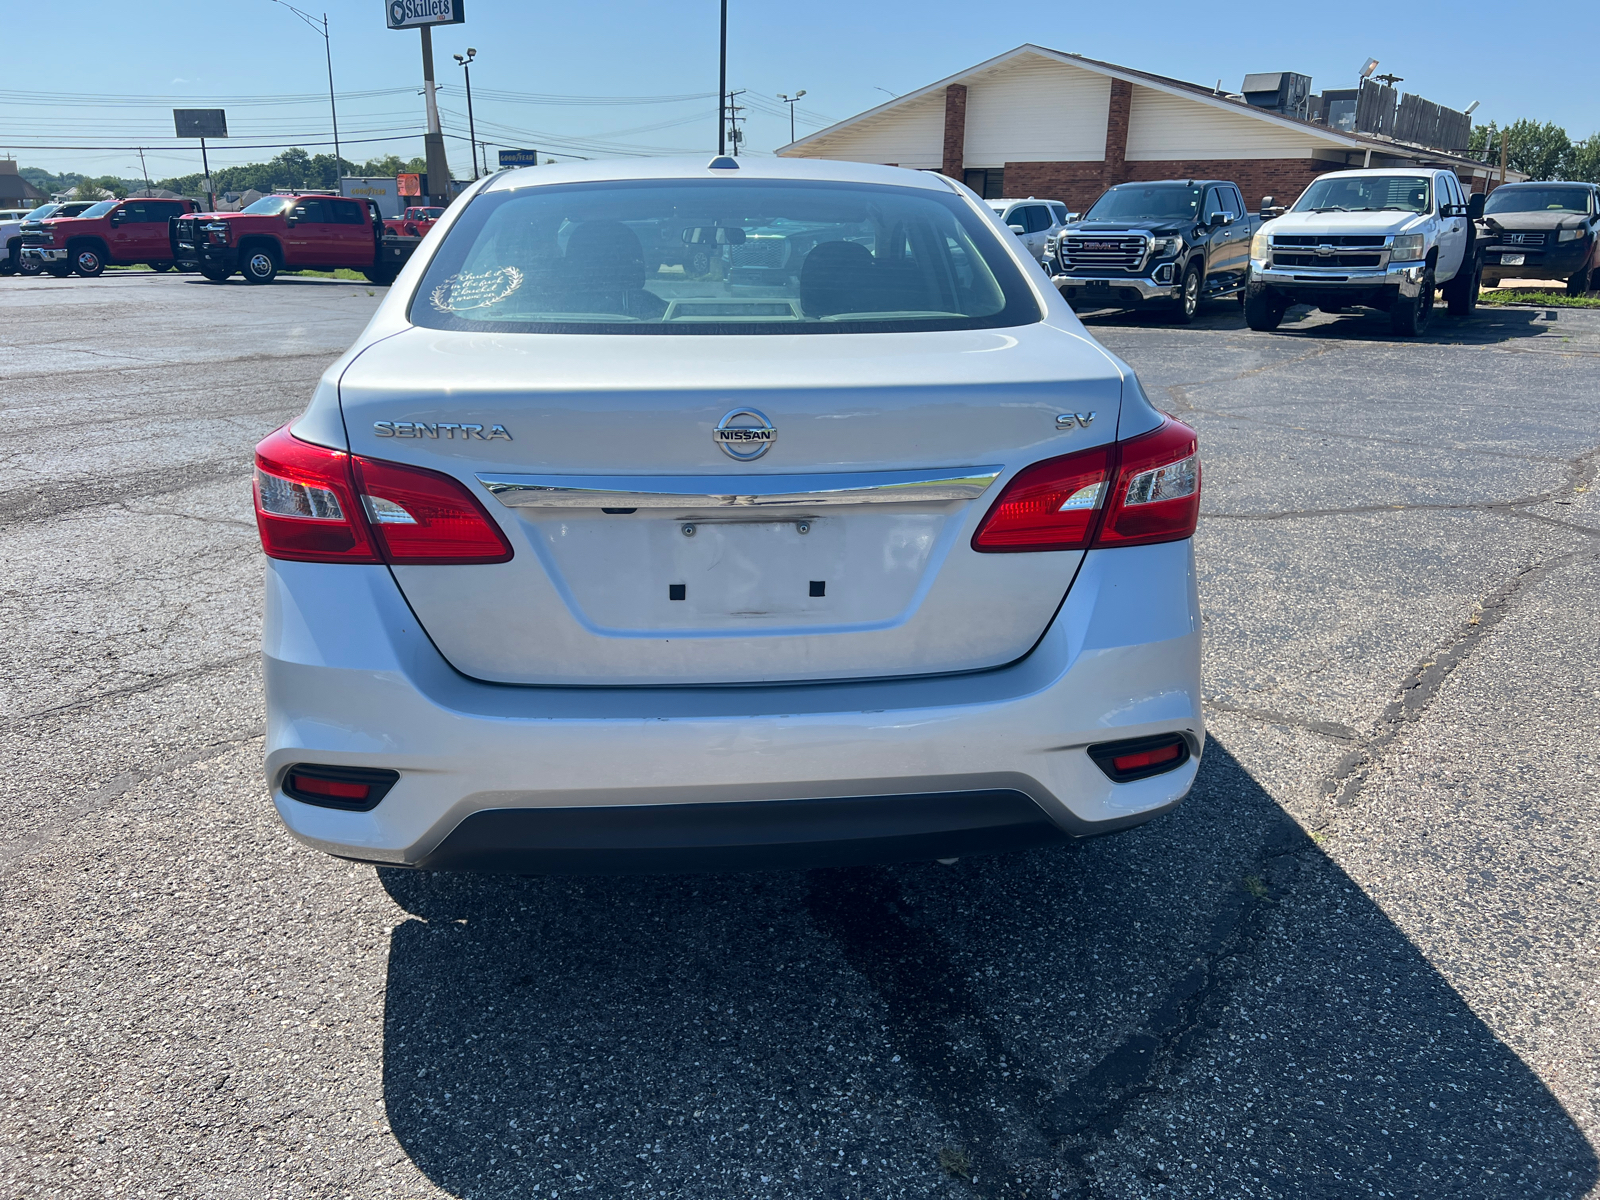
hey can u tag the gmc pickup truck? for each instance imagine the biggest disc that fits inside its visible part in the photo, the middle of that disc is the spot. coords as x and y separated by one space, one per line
107 233
1168 243
292 232
1384 239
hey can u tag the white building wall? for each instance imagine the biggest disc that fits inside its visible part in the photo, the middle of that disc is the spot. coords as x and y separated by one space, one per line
1162 127
910 135
1036 109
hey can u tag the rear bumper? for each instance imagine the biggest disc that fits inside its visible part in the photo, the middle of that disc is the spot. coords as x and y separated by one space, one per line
601 779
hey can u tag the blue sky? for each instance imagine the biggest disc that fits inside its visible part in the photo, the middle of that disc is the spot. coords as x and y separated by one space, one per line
595 64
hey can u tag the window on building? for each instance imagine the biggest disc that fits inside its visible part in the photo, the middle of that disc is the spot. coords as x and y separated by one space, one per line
988 182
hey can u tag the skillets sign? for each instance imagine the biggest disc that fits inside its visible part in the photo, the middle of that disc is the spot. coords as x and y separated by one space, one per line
409 14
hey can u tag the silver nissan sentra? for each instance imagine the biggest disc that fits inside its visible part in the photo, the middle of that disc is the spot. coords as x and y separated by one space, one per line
682 515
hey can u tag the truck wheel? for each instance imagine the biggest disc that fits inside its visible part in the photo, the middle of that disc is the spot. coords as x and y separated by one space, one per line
159 267
1188 296
215 274
1263 311
58 272
381 276
28 266
1461 293
257 265
88 261
1579 283
1409 318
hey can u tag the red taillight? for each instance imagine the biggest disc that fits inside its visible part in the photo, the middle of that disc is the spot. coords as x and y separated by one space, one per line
334 788
1147 758
1064 503
306 507
319 505
422 517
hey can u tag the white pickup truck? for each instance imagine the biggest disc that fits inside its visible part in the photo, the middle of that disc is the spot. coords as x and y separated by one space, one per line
1384 239
11 240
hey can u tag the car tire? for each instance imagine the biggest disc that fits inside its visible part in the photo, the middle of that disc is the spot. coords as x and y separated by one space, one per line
1263 311
1410 318
1580 282
89 261
58 272
159 267
215 274
258 265
1188 296
29 267
1461 293
381 276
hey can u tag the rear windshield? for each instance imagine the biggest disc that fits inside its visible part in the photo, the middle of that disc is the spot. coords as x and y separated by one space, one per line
721 256
1367 193
1537 199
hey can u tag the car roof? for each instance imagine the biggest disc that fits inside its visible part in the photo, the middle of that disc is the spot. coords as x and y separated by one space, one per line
698 167
1374 172
1524 183
1175 182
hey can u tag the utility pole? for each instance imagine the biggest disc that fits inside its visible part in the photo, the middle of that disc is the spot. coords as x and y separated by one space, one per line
145 171
1502 157
333 109
735 134
433 140
472 136
722 86
791 101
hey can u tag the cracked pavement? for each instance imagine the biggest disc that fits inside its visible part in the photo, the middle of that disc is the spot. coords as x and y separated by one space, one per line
1359 961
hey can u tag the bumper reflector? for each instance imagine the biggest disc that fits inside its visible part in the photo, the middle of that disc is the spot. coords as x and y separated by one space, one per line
1139 758
357 789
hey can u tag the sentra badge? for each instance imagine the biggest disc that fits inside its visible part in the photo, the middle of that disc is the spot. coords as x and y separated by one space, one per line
744 434
439 429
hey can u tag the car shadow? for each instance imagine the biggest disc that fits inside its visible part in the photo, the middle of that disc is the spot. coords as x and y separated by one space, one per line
1206 1005
1488 325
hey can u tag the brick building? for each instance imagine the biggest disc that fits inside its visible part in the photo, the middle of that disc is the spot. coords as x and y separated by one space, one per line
1038 122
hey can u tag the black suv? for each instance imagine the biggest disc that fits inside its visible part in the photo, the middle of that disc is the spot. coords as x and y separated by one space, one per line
1545 230
1168 242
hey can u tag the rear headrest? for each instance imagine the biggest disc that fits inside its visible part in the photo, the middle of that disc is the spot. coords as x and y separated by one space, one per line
836 277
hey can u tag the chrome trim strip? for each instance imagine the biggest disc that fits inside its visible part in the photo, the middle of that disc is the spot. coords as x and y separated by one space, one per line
755 491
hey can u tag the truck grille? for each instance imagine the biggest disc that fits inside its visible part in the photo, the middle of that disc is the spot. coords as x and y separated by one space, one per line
1521 239
1341 240
1340 261
761 252
1113 252
39 237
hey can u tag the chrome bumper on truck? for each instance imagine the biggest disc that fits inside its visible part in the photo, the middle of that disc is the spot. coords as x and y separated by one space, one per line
45 254
1405 278
1114 289
603 778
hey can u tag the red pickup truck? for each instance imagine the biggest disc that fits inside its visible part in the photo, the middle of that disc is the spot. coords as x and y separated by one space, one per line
415 222
293 232
110 232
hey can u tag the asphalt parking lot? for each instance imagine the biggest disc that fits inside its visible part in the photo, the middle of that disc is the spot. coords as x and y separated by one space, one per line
1360 961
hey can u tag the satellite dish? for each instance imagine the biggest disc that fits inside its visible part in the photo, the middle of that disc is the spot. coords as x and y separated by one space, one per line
1368 67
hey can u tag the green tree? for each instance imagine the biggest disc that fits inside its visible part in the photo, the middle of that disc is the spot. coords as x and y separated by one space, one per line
1584 162
1539 151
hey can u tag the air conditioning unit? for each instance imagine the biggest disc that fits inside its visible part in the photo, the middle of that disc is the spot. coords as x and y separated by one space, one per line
1281 91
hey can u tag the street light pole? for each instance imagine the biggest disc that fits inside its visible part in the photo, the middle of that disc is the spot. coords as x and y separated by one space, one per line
333 109
791 101
472 136
722 86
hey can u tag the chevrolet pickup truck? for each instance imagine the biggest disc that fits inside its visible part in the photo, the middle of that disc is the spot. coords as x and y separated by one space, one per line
1385 239
1168 243
292 232
1542 231
106 233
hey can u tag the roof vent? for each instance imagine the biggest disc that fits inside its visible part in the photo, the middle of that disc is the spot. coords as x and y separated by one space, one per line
1280 91
723 163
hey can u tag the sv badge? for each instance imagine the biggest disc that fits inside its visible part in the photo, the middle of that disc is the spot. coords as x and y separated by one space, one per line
1066 421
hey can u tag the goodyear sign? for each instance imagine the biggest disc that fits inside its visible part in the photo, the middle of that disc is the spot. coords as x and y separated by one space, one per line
518 158
409 14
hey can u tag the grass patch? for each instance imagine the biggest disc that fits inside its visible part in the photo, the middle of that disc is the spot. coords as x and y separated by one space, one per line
955 1161
1540 297
1253 885
340 273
